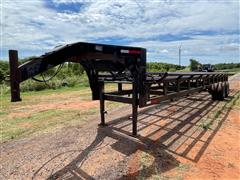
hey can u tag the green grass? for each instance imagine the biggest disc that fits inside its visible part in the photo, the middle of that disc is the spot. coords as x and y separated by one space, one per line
186 69
206 125
36 121
42 122
222 107
148 169
183 167
151 169
35 96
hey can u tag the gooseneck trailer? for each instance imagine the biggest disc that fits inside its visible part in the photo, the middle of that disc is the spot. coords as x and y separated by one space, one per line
120 65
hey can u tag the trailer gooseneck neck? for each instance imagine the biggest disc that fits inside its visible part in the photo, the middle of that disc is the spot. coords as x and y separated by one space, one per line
122 65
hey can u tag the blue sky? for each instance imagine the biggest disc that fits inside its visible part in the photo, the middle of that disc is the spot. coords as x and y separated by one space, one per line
207 30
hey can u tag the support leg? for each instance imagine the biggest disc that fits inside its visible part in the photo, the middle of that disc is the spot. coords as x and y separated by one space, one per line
134 119
165 88
102 105
134 110
119 87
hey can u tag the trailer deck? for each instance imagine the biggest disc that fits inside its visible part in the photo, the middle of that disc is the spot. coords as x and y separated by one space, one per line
119 65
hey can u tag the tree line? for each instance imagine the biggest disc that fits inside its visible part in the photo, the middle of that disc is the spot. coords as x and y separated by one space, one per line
75 69
195 65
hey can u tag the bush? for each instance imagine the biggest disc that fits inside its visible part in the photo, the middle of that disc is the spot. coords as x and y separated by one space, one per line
4 88
2 76
71 81
31 85
4 70
70 75
57 82
84 80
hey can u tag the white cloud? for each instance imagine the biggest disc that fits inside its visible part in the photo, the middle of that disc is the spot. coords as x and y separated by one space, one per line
164 51
30 25
207 49
230 47
70 1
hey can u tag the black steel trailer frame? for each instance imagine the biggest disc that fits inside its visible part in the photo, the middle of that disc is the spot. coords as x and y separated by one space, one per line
119 65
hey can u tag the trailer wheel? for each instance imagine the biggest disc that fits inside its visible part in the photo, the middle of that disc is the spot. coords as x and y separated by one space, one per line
221 91
213 91
226 88
210 89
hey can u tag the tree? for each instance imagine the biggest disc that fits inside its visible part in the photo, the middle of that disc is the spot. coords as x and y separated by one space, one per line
194 65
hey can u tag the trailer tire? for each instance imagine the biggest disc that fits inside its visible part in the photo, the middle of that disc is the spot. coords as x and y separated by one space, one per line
226 88
221 91
214 92
210 89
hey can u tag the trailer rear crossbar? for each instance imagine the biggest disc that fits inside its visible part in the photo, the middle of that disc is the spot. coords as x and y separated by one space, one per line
120 65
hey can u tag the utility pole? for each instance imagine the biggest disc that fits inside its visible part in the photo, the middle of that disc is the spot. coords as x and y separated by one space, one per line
179 54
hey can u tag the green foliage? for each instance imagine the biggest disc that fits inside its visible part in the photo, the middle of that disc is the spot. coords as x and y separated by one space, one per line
186 69
2 76
222 66
4 70
76 68
4 66
70 75
22 61
31 85
194 65
162 67
4 88
206 125
61 80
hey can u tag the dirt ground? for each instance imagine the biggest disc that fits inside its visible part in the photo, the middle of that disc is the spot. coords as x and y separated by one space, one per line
40 107
190 138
